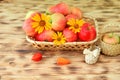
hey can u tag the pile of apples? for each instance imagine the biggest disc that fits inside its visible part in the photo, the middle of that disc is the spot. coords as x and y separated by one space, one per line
60 14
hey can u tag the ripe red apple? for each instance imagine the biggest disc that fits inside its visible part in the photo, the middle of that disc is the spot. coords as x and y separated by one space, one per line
87 32
58 21
62 8
76 11
46 35
70 16
111 38
69 35
28 28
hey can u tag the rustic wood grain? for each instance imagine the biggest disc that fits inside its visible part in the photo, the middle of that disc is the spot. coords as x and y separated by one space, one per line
16 52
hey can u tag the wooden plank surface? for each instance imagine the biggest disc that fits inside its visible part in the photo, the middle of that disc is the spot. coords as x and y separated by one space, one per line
16 52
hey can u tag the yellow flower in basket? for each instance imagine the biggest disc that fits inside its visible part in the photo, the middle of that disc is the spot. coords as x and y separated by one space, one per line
75 24
41 22
59 38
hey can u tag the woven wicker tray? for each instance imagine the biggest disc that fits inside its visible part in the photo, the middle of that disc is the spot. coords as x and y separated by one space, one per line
68 45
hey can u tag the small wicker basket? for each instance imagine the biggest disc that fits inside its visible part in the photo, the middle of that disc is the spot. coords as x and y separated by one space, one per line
109 49
68 45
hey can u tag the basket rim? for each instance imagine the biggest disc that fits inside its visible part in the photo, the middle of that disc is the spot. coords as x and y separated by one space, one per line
101 37
109 27
31 40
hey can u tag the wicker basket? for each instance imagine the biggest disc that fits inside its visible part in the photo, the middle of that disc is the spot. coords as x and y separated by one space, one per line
68 45
109 49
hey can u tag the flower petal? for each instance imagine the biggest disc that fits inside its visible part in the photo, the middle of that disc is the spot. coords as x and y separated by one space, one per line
43 17
36 17
54 36
34 24
71 22
48 26
80 22
40 29
59 38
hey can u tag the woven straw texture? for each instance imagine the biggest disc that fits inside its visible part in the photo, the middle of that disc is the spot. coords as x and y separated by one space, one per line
108 49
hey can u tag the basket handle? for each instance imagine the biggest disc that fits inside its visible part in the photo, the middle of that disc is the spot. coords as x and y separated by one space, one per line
95 22
111 27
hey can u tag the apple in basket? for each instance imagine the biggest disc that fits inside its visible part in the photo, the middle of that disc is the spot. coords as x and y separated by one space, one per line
87 32
58 21
69 35
70 16
28 28
111 38
77 12
62 8
46 35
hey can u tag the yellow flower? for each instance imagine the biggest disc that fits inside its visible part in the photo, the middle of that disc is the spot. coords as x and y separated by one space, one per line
41 22
75 24
59 38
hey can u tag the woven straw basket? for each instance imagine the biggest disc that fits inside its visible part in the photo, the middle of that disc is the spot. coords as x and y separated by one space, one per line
68 45
109 49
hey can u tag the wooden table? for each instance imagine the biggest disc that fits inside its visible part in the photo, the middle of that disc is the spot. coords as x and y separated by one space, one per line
16 52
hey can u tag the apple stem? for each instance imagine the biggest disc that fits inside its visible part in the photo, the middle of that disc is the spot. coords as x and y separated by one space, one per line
111 34
89 27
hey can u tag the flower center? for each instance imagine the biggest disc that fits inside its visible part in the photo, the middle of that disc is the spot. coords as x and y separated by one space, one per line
59 39
76 26
42 23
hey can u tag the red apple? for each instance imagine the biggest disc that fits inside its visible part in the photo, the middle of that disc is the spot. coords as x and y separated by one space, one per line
76 11
46 35
28 28
69 35
62 8
87 32
111 38
58 21
70 16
